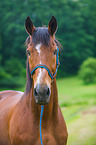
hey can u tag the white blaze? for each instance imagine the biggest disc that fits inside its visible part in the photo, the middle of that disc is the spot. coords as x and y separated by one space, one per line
41 70
38 46
39 76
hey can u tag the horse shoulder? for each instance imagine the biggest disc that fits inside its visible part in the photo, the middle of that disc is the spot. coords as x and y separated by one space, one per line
8 100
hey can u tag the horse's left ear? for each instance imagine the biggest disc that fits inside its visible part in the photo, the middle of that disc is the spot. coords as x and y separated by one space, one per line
52 25
30 28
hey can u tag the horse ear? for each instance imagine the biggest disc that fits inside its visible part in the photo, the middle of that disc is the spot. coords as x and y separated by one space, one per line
52 25
30 28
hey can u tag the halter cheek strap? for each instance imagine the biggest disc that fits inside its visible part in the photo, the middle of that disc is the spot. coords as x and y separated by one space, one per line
45 66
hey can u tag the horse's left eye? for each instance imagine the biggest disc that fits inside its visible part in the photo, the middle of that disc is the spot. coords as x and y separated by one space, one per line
55 51
28 52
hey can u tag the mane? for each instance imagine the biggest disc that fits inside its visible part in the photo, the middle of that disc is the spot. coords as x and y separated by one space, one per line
29 79
58 44
42 35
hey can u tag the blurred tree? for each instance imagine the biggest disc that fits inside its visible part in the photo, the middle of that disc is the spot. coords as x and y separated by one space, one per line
79 41
14 67
76 29
0 49
87 70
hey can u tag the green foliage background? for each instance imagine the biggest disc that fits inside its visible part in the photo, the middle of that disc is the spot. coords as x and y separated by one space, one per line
87 70
76 32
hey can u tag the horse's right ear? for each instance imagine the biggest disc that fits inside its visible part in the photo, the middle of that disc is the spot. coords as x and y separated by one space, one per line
52 26
30 28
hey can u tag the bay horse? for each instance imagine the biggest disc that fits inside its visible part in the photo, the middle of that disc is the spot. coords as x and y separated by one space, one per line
20 112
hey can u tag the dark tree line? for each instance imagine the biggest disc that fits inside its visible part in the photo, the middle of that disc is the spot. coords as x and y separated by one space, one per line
76 32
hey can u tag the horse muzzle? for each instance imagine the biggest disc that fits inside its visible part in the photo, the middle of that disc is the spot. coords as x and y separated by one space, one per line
42 94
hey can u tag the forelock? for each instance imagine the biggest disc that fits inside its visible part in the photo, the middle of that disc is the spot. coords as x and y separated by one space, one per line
41 35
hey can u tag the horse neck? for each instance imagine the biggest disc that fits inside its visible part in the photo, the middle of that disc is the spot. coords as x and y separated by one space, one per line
50 109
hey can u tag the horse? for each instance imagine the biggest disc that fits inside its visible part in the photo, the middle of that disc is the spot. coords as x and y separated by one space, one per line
20 112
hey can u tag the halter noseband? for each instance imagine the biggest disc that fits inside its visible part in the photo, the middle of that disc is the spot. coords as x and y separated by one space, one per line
45 66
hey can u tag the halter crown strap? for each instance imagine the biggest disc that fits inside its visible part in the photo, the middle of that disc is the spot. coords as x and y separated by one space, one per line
45 66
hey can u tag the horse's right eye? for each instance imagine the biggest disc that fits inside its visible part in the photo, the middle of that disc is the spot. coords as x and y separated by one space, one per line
28 52
55 51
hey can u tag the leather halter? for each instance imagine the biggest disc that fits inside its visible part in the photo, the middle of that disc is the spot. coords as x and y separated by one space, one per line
45 66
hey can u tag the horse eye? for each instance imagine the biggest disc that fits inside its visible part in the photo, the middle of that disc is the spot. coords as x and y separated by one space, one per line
28 52
55 51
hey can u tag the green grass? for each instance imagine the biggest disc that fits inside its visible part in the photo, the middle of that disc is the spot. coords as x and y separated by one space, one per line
73 91
81 124
78 105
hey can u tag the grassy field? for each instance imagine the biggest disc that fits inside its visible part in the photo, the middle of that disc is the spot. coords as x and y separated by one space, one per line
73 91
78 103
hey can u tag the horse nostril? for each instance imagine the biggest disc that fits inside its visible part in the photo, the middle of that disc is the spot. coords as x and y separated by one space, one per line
35 93
48 92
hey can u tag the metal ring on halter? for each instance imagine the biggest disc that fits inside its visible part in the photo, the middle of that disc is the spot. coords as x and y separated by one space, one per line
45 66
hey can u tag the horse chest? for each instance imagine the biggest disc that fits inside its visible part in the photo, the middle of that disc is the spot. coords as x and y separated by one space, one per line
29 135
54 134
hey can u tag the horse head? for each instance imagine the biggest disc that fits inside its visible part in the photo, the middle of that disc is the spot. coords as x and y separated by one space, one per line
43 59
